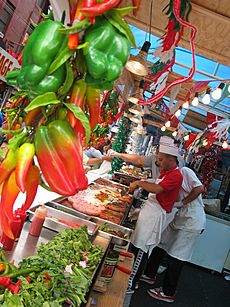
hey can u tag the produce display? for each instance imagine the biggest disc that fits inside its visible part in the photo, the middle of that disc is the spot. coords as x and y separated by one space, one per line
61 272
100 201
58 102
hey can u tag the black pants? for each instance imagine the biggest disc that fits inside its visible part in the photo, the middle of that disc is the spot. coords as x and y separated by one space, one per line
172 273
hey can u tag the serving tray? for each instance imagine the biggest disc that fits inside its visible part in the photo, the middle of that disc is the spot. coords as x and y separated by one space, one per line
54 215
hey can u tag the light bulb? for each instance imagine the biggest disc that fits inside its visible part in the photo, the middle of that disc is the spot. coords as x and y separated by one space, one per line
186 105
217 93
167 124
163 128
206 99
195 101
205 142
225 145
178 113
186 138
174 133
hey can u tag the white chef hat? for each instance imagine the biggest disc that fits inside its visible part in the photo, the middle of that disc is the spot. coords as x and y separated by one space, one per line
167 146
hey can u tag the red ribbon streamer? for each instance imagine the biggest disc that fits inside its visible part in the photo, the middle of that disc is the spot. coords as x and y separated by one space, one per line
176 9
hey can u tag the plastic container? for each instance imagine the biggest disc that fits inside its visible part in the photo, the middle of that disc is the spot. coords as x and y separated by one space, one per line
38 221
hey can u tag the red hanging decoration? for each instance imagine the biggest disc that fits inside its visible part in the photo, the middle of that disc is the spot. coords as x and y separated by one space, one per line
176 10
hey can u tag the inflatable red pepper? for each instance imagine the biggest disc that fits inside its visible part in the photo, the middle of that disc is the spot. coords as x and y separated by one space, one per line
77 98
24 160
9 194
59 155
93 103
8 165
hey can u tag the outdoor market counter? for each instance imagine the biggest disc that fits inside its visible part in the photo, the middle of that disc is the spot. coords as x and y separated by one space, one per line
116 289
27 244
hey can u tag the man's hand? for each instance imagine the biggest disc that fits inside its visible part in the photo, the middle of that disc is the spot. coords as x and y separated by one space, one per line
133 186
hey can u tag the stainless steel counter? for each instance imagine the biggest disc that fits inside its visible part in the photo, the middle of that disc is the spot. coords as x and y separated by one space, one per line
27 244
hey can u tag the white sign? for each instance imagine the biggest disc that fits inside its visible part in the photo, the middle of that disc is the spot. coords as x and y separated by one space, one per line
7 63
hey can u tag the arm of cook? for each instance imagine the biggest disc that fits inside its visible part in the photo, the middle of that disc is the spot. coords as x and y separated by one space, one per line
129 158
193 195
191 184
145 185
170 182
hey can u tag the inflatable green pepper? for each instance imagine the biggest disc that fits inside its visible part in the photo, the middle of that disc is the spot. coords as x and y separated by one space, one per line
43 46
107 53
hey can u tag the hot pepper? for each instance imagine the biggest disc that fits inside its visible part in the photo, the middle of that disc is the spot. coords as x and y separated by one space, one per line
44 44
99 8
59 155
93 103
5 281
8 165
9 194
78 99
74 38
107 53
14 288
24 160
32 182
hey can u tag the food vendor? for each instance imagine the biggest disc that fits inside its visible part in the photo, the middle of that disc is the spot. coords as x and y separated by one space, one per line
163 194
178 239
146 161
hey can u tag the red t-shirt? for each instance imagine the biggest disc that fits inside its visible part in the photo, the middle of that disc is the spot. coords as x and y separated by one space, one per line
171 183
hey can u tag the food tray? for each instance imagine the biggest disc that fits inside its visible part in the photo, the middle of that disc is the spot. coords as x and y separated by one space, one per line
113 185
56 225
57 204
115 239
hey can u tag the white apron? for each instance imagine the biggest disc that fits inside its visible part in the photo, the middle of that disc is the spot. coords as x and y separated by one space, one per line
179 237
150 224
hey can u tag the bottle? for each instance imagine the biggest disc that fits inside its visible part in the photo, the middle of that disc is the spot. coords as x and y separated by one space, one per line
38 221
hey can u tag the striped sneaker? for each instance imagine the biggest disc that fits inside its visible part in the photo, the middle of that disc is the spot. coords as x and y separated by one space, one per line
148 280
158 294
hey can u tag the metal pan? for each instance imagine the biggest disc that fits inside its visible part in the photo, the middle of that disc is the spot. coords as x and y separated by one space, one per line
122 241
59 206
53 222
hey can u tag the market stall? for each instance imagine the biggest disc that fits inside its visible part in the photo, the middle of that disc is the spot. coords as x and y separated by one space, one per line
76 83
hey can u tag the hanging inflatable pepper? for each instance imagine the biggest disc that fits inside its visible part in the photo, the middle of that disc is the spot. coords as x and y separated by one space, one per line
42 47
93 103
107 53
78 99
9 194
8 165
59 155
32 182
97 9
24 160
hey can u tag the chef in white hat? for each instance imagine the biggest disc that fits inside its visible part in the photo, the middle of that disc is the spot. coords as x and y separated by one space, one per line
163 195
